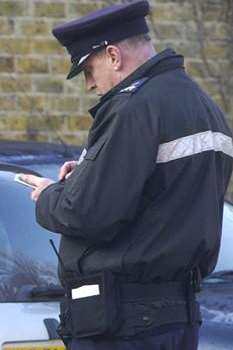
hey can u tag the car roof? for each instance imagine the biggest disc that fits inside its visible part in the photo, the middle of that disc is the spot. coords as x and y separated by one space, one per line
36 152
17 169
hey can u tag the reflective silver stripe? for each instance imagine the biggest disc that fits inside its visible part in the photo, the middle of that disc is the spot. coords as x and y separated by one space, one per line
82 59
193 144
81 158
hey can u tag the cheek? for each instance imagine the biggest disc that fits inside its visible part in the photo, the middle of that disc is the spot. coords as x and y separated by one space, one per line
107 79
103 78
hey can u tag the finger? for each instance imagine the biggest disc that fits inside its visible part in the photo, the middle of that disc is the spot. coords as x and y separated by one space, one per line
30 179
68 175
63 171
34 195
66 169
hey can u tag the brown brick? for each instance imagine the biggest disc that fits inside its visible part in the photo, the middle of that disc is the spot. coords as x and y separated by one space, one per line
13 123
6 26
170 12
195 69
6 64
223 31
104 3
159 13
10 136
190 31
7 103
213 11
78 122
218 99
37 137
229 193
45 122
169 1
13 8
51 9
215 31
214 51
231 115
15 46
32 103
210 86
49 85
229 119
223 70
73 87
79 138
15 84
185 48
198 69
31 65
34 27
88 101
169 31
63 104
24 136
60 65
75 8
32 135
47 46
161 45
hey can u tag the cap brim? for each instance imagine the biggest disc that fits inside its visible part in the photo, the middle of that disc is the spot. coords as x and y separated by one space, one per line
77 68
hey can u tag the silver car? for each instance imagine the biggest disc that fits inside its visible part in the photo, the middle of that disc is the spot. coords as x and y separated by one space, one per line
29 287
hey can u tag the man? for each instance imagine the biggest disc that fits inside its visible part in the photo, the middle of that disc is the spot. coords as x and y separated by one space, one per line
140 213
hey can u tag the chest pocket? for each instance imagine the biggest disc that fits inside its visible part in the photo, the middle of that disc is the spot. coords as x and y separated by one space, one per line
93 151
77 178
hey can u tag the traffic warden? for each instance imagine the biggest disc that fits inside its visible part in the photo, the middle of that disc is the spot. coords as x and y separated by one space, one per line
140 213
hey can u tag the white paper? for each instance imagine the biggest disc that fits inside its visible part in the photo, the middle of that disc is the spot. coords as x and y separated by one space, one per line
19 180
85 291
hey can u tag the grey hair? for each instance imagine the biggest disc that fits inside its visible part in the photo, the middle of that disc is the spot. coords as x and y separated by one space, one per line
129 43
135 41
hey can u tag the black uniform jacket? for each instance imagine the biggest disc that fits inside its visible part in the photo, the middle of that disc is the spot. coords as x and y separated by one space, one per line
146 200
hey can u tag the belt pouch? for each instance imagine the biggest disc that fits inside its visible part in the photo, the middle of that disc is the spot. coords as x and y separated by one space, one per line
93 305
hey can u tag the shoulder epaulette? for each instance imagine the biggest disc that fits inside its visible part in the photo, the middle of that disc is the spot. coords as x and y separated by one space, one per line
134 86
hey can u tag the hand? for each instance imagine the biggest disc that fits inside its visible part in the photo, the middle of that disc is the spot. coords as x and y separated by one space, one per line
67 169
40 183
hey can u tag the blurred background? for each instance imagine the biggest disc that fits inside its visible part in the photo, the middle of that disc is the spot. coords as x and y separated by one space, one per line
38 104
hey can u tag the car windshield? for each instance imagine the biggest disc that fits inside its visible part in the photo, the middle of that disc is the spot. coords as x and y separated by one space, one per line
27 260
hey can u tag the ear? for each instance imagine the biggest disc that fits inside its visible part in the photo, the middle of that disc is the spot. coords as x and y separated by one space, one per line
114 57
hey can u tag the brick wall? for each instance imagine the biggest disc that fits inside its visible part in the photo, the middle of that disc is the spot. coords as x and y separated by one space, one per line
37 103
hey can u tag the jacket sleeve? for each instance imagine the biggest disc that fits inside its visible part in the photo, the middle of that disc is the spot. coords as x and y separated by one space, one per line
104 192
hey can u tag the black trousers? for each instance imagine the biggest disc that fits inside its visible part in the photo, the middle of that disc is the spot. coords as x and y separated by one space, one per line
172 337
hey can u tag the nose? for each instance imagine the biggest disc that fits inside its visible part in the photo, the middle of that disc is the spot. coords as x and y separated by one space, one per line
90 84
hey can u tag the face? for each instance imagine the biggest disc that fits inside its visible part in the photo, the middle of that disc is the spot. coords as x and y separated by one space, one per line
99 74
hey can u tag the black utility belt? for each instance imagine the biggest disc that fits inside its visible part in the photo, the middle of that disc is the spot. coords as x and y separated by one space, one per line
93 304
132 291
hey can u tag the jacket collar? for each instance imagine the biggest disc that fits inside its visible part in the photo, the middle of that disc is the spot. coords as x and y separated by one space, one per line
159 62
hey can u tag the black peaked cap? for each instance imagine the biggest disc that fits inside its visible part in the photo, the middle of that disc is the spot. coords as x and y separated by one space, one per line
109 25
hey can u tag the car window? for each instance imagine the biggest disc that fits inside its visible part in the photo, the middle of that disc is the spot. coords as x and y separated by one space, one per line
225 260
26 257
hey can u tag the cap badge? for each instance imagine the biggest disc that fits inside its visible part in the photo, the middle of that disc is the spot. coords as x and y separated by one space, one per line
104 43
